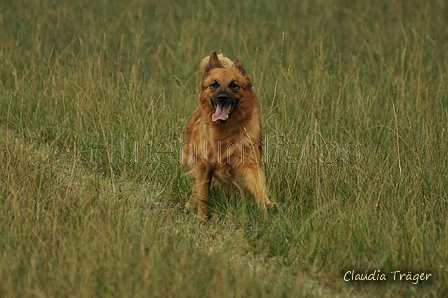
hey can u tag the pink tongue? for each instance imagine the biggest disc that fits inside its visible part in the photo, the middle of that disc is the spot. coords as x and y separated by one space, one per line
221 112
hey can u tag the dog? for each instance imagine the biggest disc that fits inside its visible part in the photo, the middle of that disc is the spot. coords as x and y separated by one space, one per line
223 139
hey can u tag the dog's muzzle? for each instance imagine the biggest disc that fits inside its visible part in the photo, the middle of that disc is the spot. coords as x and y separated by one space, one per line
224 104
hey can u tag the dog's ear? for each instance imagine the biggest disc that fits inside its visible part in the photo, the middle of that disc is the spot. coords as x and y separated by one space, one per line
213 62
238 65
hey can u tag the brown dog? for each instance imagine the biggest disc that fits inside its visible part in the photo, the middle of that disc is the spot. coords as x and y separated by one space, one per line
224 136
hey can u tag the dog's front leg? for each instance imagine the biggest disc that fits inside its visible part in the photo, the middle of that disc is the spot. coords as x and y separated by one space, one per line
255 183
201 188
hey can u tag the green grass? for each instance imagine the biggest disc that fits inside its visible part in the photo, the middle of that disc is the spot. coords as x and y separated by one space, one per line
94 100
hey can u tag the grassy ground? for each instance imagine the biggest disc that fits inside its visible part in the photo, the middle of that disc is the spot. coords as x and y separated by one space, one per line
94 99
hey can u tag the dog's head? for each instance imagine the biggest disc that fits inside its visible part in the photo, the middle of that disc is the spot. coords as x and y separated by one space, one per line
224 86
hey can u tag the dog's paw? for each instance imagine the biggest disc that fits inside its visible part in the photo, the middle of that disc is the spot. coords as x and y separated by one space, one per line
269 206
190 206
272 205
203 215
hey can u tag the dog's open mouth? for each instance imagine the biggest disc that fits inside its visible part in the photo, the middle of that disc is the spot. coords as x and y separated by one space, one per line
222 112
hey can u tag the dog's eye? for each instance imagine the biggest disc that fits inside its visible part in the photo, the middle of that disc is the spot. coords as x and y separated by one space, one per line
214 85
234 86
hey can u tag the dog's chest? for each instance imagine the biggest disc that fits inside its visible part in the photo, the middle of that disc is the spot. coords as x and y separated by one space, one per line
227 175
227 150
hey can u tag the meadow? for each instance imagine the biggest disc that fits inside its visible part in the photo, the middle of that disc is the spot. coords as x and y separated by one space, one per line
94 100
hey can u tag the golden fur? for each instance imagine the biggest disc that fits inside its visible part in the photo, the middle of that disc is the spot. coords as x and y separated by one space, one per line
223 139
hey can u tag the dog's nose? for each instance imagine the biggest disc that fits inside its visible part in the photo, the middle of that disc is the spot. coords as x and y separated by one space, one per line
222 98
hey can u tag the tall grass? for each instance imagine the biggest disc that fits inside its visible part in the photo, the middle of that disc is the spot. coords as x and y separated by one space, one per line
94 100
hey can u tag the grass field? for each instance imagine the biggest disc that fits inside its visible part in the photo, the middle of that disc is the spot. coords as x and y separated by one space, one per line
94 100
